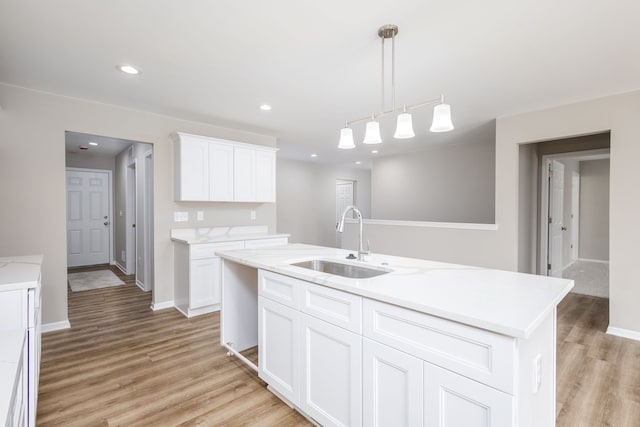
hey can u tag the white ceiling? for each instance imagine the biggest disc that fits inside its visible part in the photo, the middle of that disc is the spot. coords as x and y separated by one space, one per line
107 147
317 63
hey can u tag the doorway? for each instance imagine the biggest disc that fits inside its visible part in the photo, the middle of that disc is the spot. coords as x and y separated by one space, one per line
129 164
345 196
574 219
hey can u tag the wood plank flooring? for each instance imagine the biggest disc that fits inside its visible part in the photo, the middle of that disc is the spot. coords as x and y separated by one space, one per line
122 364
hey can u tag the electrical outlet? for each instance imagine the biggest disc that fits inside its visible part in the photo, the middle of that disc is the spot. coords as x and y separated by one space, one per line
181 216
200 216
537 373
253 215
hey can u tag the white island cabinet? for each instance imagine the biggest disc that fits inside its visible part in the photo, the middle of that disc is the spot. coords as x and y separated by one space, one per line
20 318
426 344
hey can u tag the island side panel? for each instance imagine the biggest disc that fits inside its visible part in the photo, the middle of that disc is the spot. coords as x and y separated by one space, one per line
239 308
538 352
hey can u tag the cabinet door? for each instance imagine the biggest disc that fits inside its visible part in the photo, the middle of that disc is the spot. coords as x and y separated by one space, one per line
192 170
220 172
265 176
204 284
278 344
331 388
451 400
391 386
244 181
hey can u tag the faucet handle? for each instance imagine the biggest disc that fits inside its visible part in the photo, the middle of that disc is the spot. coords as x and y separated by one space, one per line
368 246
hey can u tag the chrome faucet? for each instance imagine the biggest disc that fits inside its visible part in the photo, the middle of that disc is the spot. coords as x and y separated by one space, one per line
340 228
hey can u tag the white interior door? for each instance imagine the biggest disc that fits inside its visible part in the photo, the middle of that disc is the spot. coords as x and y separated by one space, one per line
344 198
556 227
575 215
88 222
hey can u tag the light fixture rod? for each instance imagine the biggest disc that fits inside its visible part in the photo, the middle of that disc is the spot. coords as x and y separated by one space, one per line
393 71
382 75
439 100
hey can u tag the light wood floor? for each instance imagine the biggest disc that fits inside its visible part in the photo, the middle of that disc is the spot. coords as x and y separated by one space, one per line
122 364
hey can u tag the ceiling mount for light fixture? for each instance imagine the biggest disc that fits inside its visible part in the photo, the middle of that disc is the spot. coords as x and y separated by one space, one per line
404 127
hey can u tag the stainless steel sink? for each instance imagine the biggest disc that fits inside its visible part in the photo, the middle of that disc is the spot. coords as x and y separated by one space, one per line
341 269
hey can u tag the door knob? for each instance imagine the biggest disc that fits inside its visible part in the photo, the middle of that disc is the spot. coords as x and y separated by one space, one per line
563 228
106 223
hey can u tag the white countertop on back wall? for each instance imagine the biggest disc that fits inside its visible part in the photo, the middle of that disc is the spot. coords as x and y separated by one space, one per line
222 234
20 272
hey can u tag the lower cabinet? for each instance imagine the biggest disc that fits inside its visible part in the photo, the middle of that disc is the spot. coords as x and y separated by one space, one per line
331 390
310 352
451 400
278 344
204 283
392 386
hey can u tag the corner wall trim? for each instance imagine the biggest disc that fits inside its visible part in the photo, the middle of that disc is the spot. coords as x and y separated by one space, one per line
162 305
121 268
624 333
55 326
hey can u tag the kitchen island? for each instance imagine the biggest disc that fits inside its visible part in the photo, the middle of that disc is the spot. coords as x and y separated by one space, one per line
425 343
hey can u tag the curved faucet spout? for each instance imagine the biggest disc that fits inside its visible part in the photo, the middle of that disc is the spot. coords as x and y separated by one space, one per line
340 228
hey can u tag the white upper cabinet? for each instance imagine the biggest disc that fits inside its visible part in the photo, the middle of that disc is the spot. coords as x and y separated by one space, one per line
216 170
244 174
221 172
191 157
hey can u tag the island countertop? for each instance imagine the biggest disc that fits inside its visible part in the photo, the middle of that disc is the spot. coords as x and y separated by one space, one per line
504 302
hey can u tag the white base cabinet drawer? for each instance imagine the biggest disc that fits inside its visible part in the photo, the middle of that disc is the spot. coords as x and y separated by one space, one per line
336 307
331 389
392 390
451 400
484 356
283 289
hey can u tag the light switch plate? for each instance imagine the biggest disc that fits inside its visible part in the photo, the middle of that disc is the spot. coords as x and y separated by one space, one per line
253 215
200 216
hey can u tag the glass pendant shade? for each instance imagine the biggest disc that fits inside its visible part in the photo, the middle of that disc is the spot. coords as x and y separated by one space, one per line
441 118
346 139
372 134
404 127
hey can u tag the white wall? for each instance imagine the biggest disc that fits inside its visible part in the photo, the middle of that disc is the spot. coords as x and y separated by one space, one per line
617 114
32 184
594 210
306 199
448 183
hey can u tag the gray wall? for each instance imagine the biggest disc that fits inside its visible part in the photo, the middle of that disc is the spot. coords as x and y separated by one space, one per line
449 183
89 161
528 207
594 209
306 198
32 184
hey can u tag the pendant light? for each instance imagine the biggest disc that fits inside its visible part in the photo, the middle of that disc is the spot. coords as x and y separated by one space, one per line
346 138
404 124
372 134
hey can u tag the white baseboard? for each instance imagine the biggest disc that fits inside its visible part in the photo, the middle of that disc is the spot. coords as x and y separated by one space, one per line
121 268
568 265
140 285
162 305
624 333
602 261
55 326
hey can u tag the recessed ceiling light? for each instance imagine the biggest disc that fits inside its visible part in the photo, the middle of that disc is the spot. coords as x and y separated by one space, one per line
128 69
374 151
358 162
314 155
93 143
265 107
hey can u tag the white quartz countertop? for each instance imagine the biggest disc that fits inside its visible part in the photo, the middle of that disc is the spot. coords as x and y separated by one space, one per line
193 236
504 302
10 358
20 272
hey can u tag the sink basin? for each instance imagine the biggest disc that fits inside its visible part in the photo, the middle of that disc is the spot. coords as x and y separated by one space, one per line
340 269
